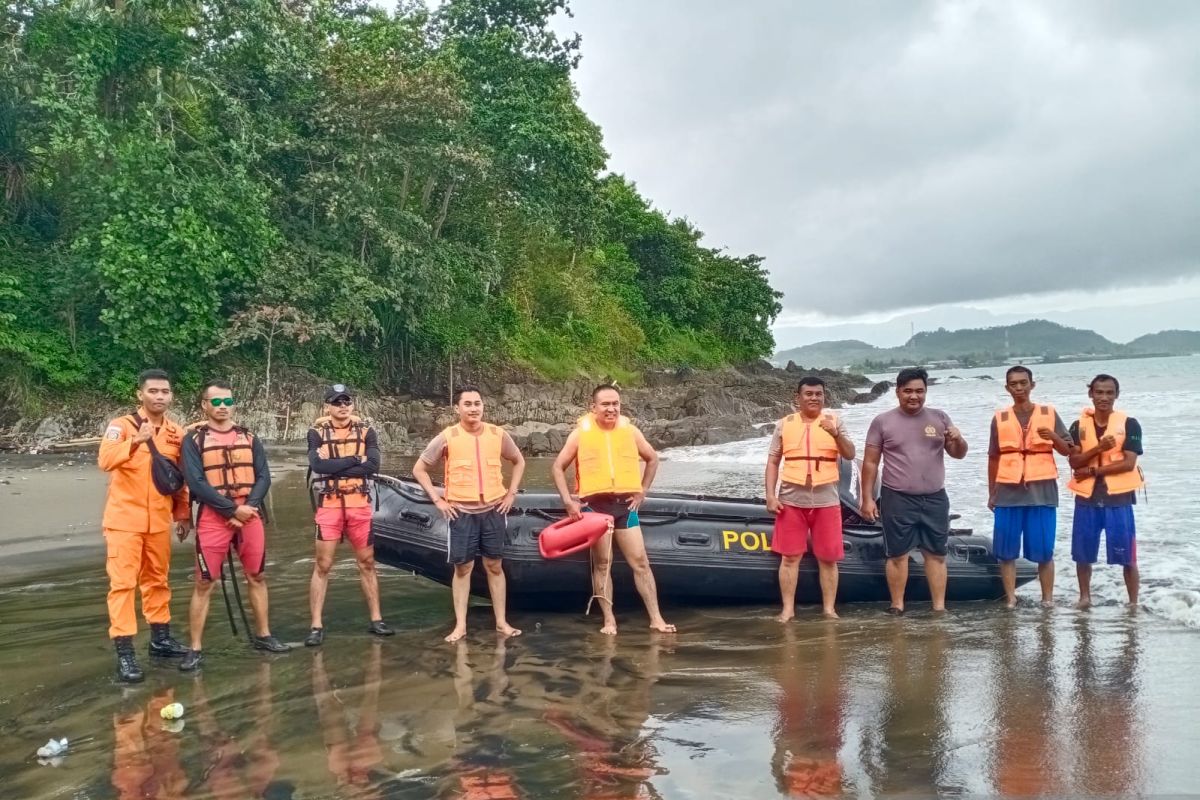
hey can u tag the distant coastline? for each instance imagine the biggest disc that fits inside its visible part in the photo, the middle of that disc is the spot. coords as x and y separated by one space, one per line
1031 342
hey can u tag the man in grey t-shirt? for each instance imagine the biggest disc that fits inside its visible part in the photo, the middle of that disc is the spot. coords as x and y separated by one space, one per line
912 442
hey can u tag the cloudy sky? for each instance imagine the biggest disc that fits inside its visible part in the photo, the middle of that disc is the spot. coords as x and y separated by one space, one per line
934 162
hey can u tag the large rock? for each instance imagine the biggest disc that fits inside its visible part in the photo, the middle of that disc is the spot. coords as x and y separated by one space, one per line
51 429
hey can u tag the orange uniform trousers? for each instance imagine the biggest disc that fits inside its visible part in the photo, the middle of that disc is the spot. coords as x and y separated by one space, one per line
137 561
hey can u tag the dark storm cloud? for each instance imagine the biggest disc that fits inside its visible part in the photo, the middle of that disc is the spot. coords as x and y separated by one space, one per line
911 154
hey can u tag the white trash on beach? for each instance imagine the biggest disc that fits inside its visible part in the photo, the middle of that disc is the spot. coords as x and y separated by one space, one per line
171 711
52 748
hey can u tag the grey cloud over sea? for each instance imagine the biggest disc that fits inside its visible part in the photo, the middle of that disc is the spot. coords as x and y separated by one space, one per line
910 154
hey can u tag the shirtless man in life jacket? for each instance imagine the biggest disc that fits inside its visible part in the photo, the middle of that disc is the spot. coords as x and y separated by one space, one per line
607 450
228 476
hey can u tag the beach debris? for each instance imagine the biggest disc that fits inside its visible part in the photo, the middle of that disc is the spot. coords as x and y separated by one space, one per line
171 711
52 748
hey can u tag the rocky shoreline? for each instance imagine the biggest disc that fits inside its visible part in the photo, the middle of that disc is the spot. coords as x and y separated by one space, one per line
673 408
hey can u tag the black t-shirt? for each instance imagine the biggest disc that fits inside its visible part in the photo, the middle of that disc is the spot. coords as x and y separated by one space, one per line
1133 444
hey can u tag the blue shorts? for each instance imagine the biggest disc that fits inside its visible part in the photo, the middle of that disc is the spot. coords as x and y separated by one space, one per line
1119 529
1032 524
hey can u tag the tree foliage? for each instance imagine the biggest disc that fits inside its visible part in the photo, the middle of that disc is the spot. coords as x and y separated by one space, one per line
421 188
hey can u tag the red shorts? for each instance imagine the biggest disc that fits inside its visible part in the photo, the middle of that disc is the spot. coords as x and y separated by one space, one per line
213 535
793 526
354 523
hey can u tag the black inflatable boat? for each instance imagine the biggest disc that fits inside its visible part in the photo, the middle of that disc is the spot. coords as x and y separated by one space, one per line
703 550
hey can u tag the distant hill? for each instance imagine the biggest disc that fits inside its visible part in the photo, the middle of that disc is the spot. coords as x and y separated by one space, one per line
1176 343
1035 339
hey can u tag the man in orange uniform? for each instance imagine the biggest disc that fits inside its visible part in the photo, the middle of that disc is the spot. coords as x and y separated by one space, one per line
343 452
475 502
607 450
808 443
137 523
228 476
1023 483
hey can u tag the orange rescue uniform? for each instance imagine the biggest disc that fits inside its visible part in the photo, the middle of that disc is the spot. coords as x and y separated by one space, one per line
137 523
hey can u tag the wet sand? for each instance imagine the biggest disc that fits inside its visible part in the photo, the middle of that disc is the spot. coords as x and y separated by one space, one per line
979 701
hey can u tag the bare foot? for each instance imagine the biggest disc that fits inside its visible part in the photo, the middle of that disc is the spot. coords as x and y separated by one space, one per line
1047 604
829 613
1084 603
1010 603
662 626
610 628
508 630
784 616
456 634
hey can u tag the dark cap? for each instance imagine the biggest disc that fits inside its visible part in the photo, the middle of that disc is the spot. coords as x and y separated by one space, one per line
336 391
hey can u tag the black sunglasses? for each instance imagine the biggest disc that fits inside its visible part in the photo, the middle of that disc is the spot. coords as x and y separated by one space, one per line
341 401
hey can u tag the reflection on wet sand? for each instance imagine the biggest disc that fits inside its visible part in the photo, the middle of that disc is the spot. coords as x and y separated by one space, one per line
1028 758
913 725
478 770
236 767
808 730
146 761
1104 709
604 721
353 754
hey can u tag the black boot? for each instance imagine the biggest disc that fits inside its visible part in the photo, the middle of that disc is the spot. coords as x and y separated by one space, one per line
161 643
128 670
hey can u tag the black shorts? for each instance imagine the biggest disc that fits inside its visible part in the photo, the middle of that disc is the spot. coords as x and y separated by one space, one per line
616 506
474 535
912 521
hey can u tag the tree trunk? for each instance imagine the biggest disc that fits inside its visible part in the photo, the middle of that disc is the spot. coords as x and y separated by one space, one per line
404 186
444 210
427 192
270 348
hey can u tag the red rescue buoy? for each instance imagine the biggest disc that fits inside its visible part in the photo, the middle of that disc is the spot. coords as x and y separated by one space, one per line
572 535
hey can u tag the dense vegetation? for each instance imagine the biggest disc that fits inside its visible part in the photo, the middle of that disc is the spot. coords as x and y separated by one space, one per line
359 193
987 346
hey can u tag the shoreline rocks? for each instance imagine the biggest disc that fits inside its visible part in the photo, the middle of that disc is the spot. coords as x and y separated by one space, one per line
673 408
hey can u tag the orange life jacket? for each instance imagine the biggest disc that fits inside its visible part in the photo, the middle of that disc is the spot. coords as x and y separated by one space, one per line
608 460
473 464
807 447
229 468
1024 455
1118 482
336 442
